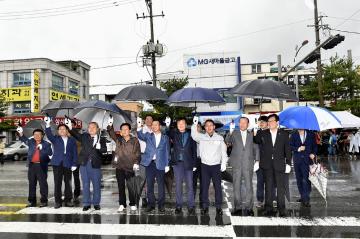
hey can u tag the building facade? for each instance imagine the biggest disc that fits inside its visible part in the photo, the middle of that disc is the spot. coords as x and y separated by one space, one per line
29 84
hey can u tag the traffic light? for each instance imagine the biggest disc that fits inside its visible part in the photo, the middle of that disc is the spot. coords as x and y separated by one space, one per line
333 42
313 57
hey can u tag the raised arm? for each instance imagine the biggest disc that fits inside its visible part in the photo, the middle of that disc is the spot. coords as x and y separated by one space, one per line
111 132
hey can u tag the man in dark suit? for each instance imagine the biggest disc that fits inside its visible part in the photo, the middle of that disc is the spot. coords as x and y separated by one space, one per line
37 162
304 148
275 160
90 159
63 161
183 161
156 160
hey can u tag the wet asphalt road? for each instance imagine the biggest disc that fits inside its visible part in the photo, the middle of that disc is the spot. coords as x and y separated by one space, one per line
339 218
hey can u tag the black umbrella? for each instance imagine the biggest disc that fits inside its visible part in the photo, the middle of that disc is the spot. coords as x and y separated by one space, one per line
36 124
264 89
141 92
60 108
135 186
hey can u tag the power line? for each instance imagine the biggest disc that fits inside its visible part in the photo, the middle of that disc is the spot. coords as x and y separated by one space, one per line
349 18
116 65
352 32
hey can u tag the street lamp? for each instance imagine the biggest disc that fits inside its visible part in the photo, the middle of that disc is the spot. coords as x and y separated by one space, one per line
297 49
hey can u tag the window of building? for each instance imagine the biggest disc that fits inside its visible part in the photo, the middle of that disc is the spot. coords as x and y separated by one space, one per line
84 91
22 107
256 68
57 82
73 87
21 78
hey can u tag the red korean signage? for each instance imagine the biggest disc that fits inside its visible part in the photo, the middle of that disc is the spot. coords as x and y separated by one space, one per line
23 120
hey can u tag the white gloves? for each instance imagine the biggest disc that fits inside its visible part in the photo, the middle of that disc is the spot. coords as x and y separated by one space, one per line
194 169
232 127
167 169
20 130
312 156
256 166
287 168
167 121
139 122
136 167
39 146
195 120
73 168
47 121
115 159
68 123
223 167
110 121
98 146
301 148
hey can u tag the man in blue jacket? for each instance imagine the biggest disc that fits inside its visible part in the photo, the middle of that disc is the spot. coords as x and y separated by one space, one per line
303 145
37 162
64 161
183 161
156 160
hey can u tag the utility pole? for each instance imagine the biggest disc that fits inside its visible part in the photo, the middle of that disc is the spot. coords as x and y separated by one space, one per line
151 50
281 103
318 62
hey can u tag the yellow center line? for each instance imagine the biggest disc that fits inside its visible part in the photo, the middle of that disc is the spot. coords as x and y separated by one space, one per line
7 213
13 205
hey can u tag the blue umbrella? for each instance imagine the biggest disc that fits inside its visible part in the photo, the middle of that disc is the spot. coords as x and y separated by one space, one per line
195 96
309 117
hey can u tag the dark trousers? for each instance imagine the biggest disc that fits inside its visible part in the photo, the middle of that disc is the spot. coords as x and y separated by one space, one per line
77 187
37 174
62 174
93 175
260 186
121 176
302 178
211 173
153 173
2 159
182 174
196 177
273 177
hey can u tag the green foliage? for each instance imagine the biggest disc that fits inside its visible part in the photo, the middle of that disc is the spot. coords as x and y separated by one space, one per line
6 125
341 85
3 105
161 110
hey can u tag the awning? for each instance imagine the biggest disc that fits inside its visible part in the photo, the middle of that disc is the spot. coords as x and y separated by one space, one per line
347 119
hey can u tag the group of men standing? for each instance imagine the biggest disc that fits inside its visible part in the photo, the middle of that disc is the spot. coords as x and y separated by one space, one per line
192 155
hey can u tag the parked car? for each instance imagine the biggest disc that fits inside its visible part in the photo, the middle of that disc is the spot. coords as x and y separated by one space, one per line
16 151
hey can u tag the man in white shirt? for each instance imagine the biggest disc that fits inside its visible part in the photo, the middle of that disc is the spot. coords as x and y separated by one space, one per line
213 161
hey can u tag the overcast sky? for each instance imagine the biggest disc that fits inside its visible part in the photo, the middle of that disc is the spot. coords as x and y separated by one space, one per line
109 35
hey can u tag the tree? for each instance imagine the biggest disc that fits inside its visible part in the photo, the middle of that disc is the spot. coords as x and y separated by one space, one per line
161 110
341 85
3 105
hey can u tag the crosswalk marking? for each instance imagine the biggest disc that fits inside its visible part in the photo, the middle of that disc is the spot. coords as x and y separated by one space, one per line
117 229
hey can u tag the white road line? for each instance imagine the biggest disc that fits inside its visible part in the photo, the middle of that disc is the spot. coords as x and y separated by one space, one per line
275 221
118 229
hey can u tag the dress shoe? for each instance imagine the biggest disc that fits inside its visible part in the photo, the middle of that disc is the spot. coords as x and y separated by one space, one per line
205 211
144 202
191 211
69 204
236 212
97 207
249 212
299 200
57 205
86 208
219 211
162 209
31 204
43 204
150 209
305 204
178 210
76 201
283 213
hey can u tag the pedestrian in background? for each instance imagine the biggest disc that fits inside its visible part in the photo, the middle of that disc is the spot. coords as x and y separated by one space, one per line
90 160
126 161
304 148
63 160
2 147
37 163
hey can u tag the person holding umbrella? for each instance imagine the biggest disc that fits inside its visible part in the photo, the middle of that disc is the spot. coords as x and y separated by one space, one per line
156 161
213 161
126 161
37 162
183 160
304 148
90 160
63 160
275 160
